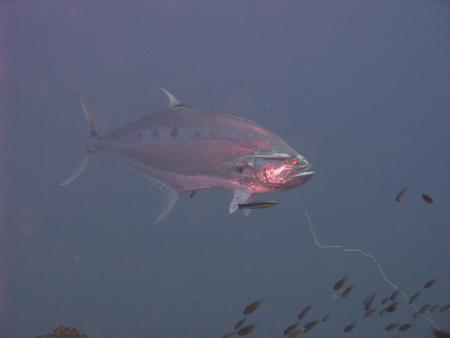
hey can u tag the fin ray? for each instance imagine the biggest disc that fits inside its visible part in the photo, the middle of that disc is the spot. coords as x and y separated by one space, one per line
80 169
88 115
169 198
173 101
168 193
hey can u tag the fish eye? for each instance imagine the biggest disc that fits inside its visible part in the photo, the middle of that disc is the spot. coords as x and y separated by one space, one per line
294 161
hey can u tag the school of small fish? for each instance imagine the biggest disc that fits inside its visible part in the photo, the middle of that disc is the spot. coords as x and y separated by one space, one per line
301 325
401 196
239 328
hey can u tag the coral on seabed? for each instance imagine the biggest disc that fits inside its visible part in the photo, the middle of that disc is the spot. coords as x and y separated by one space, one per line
64 332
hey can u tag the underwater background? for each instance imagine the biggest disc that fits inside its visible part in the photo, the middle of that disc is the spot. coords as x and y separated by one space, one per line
360 88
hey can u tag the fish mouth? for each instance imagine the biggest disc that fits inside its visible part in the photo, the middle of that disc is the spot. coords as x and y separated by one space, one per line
303 174
305 171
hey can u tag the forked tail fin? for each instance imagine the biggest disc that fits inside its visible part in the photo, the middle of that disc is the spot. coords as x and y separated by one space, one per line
91 150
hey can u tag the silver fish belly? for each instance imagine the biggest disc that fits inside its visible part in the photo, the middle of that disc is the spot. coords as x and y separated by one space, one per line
181 148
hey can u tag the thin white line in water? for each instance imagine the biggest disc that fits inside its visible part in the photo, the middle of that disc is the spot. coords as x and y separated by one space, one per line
373 259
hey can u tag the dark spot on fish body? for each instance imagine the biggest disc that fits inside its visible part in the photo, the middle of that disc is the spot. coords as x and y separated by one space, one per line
139 135
174 132
197 134
155 132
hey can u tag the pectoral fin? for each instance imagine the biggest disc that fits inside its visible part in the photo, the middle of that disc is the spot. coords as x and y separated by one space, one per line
239 197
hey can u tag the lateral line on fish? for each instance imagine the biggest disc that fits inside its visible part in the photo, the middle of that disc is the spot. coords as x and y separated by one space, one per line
374 260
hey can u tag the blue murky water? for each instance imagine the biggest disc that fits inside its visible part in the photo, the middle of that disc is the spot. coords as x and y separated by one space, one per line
360 88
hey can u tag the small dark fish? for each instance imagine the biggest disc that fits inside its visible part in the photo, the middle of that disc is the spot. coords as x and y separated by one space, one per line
444 308
340 283
310 325
394 295
441 334
350 327
405 327
326 317
369 313
347 291
425 307
246 330
304 312
192 195
230 334
366 299
290 329
369 302
252 307
390 308
392 326
401 194
414 297
434 307
259 23
422 310
430 283
384 300
295 334
427 198
239 324
258 205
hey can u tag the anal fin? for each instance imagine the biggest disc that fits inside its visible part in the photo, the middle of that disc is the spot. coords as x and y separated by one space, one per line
169 195
169 198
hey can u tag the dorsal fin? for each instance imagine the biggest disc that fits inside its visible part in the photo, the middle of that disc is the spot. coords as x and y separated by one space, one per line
173 101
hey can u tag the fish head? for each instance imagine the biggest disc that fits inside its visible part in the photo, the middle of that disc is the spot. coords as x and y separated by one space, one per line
282 173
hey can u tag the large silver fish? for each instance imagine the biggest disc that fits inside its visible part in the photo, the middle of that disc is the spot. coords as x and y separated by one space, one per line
183 149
